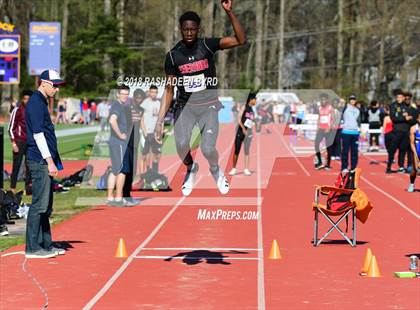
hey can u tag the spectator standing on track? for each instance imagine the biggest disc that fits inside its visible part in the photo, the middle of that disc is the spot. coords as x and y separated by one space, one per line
401 119
350 135
388 133
374 118
152 149
17 134
244 133
43 162
134 117
118 142
415 148
412 108
324 132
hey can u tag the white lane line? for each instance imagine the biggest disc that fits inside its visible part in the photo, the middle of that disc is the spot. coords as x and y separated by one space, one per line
201 249
292 153
14 253
195 257
402 205
124 266
261 288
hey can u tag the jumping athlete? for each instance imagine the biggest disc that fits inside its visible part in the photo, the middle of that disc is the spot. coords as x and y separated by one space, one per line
190 66
415 148
244 133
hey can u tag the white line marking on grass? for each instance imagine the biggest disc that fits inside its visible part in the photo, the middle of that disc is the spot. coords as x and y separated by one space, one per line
292 153
402 205
261 289
14 253
196 257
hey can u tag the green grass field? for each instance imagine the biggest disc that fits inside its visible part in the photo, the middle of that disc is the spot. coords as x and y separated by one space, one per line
70 147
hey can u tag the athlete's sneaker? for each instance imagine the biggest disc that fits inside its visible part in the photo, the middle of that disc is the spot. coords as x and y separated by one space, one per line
319 166
223 184
327 168
3 230
41 254
401 170
233 171
247 172
344 171
59 251
410 188
130 201
189 181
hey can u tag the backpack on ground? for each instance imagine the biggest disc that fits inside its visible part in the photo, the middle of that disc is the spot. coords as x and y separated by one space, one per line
102 183
78 177
154 181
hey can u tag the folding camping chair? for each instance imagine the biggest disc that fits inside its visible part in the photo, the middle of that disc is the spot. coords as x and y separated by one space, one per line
328 214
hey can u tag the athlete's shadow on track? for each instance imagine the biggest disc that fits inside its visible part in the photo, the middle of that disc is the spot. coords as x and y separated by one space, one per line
201 256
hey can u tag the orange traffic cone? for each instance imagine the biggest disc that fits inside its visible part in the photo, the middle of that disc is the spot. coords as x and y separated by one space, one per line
373 271
368 259
275 251
121 251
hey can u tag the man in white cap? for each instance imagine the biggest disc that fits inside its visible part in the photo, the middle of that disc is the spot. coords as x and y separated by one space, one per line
43 163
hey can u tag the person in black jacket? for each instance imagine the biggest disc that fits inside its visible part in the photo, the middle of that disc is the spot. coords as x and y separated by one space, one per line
401 119
412 111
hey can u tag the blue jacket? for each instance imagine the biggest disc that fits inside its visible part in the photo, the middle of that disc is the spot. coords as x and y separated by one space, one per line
38 120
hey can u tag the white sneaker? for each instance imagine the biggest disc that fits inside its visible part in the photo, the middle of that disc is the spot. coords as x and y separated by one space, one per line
344 171
189 181
247 172
223 184
410 188
233 171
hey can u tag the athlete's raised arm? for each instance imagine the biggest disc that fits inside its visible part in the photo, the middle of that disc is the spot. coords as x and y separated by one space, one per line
240 37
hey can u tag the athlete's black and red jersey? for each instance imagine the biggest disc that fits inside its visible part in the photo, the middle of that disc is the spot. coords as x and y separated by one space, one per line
195 70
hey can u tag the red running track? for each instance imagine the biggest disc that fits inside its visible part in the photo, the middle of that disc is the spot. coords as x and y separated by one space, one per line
223 264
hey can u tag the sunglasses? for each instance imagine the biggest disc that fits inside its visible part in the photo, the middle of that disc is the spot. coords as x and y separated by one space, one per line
52 84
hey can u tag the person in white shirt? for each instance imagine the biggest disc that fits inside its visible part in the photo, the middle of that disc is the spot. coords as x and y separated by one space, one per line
152 149
103 113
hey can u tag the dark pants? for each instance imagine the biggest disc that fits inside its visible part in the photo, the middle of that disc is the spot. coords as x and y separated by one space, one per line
321 134
17 162
132 160
336 149
350 143
400 142
38 231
